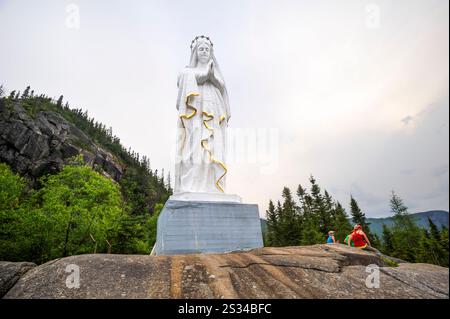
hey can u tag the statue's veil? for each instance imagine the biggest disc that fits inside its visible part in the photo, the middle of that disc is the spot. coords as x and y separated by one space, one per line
193 63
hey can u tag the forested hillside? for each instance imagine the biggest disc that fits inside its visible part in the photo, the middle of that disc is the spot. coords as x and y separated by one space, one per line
68 185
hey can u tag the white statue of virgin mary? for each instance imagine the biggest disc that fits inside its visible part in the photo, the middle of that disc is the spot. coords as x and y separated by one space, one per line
202 123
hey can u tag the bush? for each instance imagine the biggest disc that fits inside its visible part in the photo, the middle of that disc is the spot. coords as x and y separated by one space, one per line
64 217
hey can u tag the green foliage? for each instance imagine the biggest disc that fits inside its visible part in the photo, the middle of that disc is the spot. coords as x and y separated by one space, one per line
59 217
152 225
405 240
433 245
75 211
12 187
388 240
79 210
307 223
341 225
272 225
12 191
389 262
316 213
406 234
358 217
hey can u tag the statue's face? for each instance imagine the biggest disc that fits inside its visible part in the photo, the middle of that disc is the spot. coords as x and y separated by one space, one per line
203 53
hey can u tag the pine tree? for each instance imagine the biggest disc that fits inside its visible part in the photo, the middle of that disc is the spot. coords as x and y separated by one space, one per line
444 244
169 182
2 91
59 103
272 224
388 240
407 234
399 209
318 207
289 222
26 93
359 217
341 225
301 192
436 249
424 252
376 241
279 237
310 233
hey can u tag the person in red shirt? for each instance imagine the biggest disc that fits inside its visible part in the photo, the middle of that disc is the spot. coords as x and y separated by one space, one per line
359 238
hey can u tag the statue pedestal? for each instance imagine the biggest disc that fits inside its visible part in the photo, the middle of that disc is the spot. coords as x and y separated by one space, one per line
196 226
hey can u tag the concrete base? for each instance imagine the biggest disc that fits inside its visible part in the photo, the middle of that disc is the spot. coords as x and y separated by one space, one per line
188 227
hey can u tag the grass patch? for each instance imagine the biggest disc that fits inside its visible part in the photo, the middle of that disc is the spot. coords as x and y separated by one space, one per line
388 262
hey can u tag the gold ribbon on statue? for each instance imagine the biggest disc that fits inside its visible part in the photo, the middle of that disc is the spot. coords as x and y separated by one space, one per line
188 106
188 116
210 117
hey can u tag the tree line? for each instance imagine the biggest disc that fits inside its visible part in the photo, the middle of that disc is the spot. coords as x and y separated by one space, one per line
307 219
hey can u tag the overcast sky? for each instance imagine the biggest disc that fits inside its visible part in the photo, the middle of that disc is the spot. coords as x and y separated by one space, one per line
354 92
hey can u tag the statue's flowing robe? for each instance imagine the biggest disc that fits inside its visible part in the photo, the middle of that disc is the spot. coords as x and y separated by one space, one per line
201 139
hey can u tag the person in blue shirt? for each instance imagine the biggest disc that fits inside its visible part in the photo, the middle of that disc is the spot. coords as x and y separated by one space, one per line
331 239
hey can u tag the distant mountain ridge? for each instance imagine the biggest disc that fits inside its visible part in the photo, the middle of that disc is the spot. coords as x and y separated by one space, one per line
439 217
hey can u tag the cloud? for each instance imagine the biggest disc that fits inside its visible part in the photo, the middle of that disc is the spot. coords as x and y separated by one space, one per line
440 171
407 171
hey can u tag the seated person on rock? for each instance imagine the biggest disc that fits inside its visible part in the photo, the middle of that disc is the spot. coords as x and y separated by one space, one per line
331 239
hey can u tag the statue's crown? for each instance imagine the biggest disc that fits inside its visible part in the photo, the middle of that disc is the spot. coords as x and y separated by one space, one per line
201 38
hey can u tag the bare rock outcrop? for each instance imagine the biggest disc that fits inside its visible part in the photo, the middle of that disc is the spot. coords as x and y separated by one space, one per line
319 271
41 144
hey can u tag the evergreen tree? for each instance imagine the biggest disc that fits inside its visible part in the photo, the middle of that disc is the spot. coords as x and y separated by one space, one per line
272 226
310 233
388 240
359 217
278 237
59 103
26 93
435 245
407 234
2 91
445 245
169 182
341 225
318 207
289 223
424 252
376 241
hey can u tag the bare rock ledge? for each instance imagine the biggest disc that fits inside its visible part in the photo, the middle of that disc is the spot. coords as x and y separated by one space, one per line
319 271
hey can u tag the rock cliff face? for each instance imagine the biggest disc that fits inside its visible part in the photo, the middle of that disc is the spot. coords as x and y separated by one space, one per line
34 146
320 271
